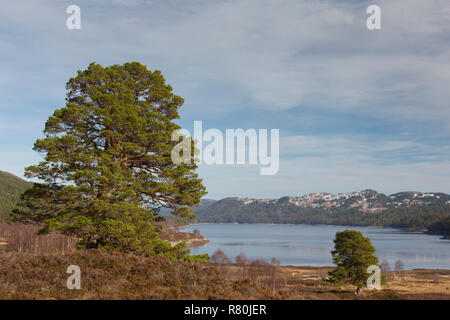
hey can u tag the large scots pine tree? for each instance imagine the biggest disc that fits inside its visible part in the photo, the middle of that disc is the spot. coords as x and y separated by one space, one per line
107 164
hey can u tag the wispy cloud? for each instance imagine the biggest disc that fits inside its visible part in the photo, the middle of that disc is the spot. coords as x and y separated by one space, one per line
314 63
282 54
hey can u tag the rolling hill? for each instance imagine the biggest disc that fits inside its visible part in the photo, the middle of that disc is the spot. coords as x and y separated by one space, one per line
11 187
409 210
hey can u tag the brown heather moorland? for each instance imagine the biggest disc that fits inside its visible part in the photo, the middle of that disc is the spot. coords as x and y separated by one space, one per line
34 267
114 275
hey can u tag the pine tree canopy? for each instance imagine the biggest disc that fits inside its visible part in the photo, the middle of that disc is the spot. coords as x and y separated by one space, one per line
353 254
107 164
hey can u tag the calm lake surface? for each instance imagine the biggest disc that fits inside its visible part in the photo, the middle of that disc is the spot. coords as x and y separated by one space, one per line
308 245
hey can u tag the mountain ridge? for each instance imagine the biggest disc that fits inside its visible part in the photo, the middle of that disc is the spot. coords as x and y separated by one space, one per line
366 198
411 210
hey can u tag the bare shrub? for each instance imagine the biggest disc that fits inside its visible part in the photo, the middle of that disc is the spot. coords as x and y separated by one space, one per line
266 273
385 267
25 238
275 261
399 267
220 257
241 259
386 270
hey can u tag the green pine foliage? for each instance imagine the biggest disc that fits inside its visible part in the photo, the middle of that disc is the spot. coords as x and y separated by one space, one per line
353 254
11 187
108 168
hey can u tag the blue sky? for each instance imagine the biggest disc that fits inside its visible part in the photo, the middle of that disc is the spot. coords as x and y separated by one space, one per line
355 108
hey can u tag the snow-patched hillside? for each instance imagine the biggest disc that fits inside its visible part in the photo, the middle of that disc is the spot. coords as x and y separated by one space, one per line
365 200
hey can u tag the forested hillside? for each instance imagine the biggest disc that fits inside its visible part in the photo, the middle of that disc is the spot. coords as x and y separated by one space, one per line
441 227
11 187
408 210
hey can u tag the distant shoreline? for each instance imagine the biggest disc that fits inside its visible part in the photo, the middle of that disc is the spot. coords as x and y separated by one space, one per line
410 231
306 224
387 231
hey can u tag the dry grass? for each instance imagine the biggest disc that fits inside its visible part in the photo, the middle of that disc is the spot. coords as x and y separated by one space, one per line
292 282
305 283
112 275
421 282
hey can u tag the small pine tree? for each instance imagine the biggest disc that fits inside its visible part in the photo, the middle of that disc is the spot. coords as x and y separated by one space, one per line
353 254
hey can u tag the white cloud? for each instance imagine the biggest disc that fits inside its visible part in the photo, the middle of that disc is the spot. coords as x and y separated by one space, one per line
276 55
281 54
332 145
326 174
337 164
